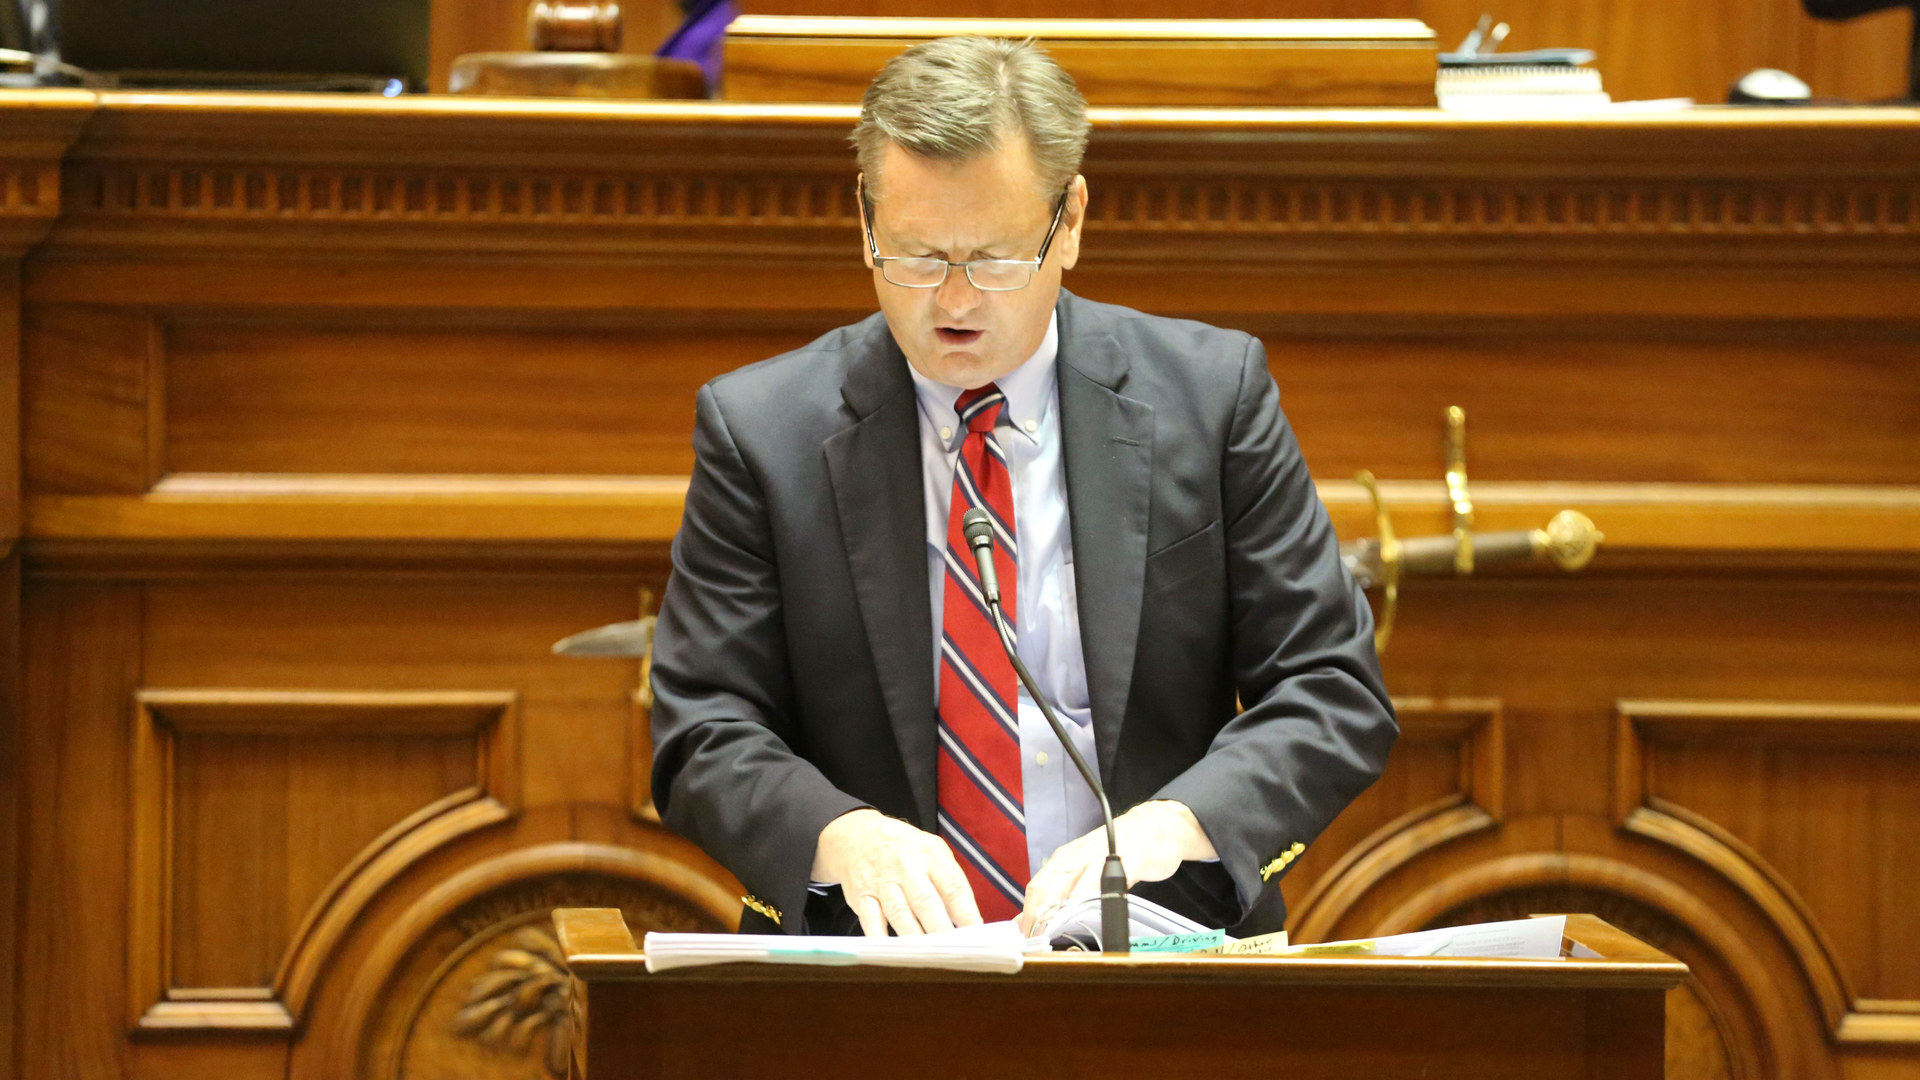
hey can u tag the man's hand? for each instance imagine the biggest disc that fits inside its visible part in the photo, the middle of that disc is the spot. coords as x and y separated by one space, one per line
1154 838
892 873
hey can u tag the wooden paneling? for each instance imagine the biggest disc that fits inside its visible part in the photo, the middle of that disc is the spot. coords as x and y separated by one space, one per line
264 819
11 837
81 667
10 398
31 143
490 520
1627 404
91 410
350 400
244 805
10 725
1817 803
1445 778
419 635
238 1058
1586 407
640 756
1560 651
464 26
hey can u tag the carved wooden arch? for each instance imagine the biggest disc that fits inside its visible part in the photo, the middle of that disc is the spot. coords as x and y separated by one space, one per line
1637 810
1477 728
1780 1039
1776 1036
666 862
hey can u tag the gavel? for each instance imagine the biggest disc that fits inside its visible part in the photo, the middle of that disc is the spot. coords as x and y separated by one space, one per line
563 27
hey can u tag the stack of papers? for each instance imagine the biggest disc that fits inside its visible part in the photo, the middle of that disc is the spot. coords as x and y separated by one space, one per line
1520 88
999 947
994 947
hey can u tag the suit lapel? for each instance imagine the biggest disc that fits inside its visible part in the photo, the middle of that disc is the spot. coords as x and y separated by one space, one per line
878 491
1108 452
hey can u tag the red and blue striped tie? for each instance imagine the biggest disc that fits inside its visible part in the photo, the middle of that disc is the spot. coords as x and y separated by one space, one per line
981 812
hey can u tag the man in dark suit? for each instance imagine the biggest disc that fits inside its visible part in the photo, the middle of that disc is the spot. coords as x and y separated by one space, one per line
834 719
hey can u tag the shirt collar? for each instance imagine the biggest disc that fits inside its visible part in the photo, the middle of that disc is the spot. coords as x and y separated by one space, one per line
1029 391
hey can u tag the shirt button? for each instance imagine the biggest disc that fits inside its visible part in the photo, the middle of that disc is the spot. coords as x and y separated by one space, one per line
1033 425
946 433
1040 759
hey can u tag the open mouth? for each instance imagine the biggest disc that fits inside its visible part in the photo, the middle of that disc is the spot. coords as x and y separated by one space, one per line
949 335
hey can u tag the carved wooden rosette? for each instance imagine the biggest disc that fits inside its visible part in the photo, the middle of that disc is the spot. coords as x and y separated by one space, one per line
483 990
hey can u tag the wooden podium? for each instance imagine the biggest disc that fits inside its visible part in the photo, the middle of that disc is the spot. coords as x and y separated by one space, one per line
1075 1015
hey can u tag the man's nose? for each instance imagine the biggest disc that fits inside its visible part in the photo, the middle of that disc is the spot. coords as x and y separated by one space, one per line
956 295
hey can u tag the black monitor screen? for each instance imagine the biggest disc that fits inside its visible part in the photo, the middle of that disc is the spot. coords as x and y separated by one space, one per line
279 37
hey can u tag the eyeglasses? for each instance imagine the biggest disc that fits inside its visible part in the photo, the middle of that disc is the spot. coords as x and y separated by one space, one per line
987 275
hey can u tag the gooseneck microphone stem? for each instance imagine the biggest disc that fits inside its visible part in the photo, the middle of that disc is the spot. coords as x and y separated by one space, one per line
1113 877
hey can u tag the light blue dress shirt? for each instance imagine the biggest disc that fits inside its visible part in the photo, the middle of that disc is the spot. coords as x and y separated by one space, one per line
1058 804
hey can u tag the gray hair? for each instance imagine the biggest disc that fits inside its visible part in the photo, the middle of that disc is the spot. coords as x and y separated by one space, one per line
956 98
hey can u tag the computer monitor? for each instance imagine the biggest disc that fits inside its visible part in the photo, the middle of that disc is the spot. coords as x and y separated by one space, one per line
244 42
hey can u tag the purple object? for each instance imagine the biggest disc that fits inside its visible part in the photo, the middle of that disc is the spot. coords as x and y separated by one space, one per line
699 38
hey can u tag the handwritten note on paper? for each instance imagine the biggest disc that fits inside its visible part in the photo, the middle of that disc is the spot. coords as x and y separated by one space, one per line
1259 945
1204 941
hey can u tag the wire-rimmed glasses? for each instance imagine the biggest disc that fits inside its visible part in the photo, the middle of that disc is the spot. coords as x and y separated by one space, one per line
987 275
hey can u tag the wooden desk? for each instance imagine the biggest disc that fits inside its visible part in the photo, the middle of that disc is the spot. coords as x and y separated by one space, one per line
334 414
1212 62
1075 1015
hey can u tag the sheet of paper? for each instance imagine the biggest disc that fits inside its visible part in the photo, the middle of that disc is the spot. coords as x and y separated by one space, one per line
1517 939
994 947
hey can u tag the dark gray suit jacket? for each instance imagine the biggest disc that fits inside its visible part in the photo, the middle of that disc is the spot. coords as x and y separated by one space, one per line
793 673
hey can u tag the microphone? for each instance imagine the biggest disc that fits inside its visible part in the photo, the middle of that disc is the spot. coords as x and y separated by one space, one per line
978 529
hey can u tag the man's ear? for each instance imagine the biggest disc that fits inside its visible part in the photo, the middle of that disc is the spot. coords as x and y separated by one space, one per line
1072 221
867 246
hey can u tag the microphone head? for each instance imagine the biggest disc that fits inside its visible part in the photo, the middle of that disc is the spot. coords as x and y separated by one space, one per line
977 527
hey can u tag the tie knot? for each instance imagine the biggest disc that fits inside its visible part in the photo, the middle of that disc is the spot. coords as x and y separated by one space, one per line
980 409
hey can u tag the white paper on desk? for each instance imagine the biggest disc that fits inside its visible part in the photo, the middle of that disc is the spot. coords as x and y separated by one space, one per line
993 947
1518 939
1076 924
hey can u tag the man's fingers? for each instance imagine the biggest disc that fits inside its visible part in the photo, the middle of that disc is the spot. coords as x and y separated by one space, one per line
928 907
893 901
1035 903
1039 898
1051 885
872 922
954 891
1087 882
